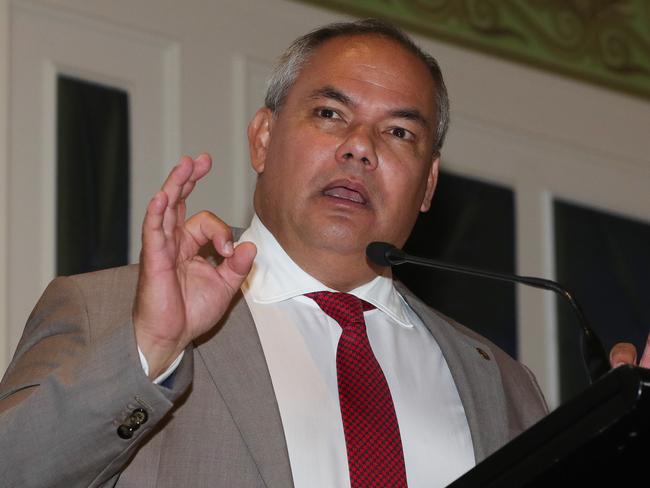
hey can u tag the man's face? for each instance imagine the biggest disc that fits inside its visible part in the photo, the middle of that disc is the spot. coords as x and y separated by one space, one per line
349 158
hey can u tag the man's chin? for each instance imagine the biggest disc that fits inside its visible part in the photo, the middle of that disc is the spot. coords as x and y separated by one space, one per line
343 238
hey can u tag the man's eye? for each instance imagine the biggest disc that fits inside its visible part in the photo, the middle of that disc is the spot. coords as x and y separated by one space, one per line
326 113
401 133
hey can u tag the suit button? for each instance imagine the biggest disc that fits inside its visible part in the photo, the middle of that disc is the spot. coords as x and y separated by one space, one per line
139 416
125 431
132 423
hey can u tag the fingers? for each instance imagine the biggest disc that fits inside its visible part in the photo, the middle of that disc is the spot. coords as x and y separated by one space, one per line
152 227
202 165
179 184
167 208
206 227
184 175
623 353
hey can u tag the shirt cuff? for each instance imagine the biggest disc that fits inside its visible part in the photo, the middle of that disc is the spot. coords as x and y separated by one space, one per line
167 373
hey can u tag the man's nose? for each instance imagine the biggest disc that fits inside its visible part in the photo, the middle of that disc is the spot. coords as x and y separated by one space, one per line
358 146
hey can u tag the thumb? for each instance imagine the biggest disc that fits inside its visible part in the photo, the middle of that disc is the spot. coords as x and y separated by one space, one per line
622 353
236 267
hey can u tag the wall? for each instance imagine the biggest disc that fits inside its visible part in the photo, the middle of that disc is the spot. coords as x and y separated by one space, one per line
542 135
4 153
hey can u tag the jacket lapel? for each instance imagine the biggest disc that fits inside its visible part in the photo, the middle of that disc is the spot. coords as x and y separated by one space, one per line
236 362
238 367
477 378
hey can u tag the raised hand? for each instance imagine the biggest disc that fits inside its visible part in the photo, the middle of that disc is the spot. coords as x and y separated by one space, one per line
180 294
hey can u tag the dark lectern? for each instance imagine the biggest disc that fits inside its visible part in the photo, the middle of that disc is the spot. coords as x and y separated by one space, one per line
600 437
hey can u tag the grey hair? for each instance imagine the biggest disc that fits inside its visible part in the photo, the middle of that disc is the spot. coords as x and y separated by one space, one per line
300 51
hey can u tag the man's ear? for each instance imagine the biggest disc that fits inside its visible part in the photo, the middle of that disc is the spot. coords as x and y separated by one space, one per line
432 181
259 136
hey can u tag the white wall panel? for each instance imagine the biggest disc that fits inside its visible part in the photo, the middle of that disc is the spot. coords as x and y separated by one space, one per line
250 77
4 158
47 42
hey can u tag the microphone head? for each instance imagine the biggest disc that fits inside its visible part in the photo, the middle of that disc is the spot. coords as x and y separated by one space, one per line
378 252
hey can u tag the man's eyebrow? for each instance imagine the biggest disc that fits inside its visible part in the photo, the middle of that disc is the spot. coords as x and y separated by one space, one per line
333 94
411 114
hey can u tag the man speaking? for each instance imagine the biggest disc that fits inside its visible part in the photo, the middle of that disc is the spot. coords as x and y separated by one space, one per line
291 360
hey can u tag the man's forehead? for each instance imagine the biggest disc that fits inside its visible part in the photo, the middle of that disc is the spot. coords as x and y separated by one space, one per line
369 62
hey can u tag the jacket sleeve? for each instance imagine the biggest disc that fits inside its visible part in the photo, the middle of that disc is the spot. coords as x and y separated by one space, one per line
74 382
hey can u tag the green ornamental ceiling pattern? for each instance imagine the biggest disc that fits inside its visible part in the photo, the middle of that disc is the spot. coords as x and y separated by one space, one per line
606 42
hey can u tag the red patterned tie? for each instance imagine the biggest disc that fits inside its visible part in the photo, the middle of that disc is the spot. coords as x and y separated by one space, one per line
372 438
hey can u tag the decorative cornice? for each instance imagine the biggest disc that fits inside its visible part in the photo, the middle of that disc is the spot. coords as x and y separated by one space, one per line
606 42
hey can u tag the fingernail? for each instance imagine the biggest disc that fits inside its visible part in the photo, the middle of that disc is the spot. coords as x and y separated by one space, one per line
619 363
227 248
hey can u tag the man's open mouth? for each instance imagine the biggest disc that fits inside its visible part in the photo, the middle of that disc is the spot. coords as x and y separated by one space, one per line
347 190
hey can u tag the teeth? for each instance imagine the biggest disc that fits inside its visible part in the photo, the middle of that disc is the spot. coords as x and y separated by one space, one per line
345 193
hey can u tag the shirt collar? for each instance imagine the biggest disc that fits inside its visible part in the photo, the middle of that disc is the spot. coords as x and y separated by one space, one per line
275 277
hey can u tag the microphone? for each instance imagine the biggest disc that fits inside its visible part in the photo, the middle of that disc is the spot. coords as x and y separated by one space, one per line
593 353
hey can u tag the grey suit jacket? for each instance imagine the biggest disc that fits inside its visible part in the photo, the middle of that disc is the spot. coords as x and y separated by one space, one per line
76 377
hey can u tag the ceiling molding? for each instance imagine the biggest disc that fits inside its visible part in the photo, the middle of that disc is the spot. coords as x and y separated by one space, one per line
605 42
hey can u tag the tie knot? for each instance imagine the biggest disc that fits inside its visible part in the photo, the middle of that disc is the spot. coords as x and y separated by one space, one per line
346 309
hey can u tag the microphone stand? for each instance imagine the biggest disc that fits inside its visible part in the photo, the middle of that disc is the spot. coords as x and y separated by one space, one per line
595 358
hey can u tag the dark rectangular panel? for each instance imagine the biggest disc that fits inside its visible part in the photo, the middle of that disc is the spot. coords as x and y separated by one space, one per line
473 224
604 260
92 176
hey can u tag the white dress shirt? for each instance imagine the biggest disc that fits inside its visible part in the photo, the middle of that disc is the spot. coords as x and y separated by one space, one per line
299 343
